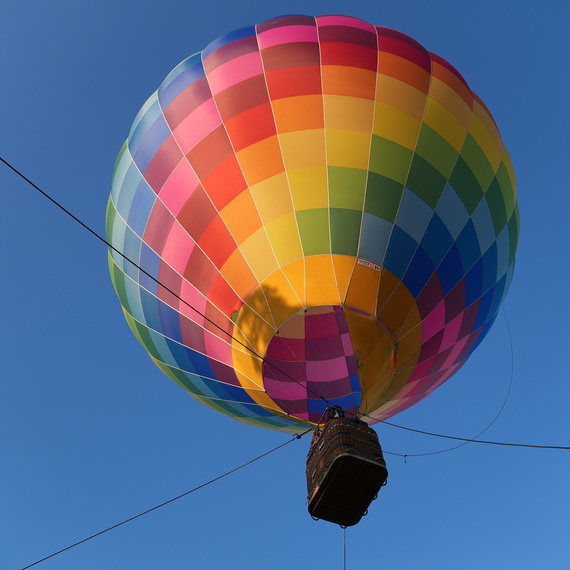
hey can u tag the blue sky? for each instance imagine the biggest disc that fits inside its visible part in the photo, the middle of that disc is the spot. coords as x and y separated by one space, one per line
91 433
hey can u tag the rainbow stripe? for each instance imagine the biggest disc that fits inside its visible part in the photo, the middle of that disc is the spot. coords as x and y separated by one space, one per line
334 207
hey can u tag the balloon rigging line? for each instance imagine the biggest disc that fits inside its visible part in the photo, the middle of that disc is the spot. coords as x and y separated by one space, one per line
102 239
474 438
297 436
344 546
466 440
107 243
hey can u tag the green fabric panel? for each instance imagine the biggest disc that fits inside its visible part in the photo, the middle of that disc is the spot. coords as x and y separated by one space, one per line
118 279
465 184
110 217
120 157
477 162
346 187
180 378
383 196
434 149
506 188
496 203
425 181
514 231
143 336
221 406
345 231
314 230
390 159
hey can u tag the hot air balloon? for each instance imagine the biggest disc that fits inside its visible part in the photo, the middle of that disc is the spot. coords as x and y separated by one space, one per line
320 213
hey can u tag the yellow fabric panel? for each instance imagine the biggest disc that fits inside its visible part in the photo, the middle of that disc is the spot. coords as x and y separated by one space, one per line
374 351
272 197
486 142
350 81
261 160
397 126
255 324
284 305
348 148
391 292
259 253
511 171
348 113
295 273
408 349
298 113
449 98
398 305
284 237
412 319
400 95
282 298
241 208
363 289
383 412
258 308
484 131
303 149
482 113
407 389
237 272
343 268
445 124
309 187
320 282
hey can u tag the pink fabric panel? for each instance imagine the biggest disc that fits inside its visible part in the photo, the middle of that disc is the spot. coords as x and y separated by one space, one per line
197 125
178 248
327 370
434 322
217 348
235 71
179 187
344 21
287 34
451 332
193 297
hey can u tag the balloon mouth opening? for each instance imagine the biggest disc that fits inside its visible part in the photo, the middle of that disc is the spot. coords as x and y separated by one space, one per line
310 364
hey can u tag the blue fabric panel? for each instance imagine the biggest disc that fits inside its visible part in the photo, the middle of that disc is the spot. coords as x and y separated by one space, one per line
184 75
228 38
400 251
152 141
374 237
150 262
437 240
142 205
474 283
420 270
468 246
490 268
450 270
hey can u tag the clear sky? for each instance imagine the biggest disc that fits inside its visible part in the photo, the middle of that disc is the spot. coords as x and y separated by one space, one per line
92 433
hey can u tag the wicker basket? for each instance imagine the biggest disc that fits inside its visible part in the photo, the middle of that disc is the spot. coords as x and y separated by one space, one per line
345 471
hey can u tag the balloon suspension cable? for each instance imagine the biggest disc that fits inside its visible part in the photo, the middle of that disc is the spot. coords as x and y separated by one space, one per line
150 276
344 546
295 437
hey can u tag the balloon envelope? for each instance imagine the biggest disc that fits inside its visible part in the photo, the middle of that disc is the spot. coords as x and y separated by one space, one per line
323 213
